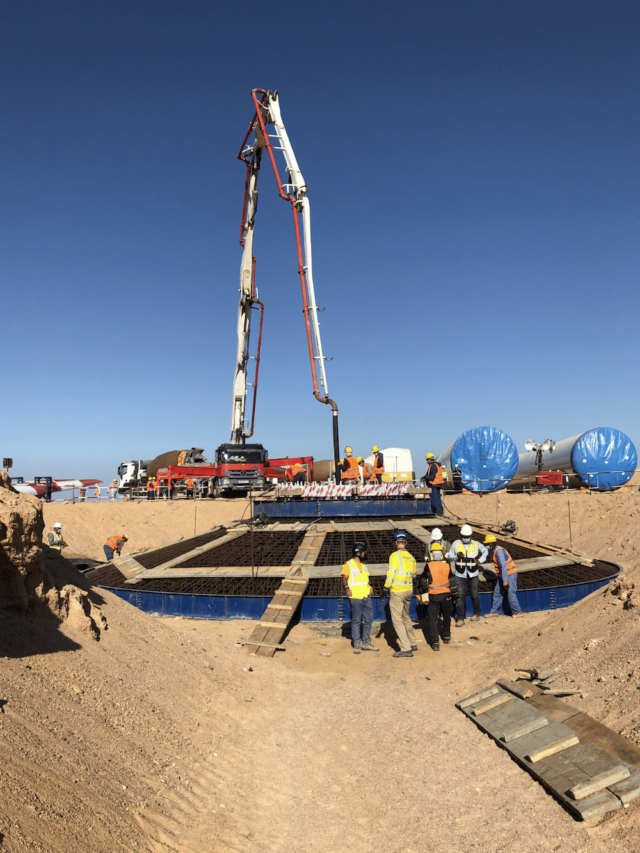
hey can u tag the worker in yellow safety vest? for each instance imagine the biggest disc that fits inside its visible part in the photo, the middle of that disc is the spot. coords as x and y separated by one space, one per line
466 553
438 585
399 587
114 545
55 540
349 466
506 581
378 465
355 581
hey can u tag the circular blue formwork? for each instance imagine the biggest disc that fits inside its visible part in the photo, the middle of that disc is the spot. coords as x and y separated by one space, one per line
336 609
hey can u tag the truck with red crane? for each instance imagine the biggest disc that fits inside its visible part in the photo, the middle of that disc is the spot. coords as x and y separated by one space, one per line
240 466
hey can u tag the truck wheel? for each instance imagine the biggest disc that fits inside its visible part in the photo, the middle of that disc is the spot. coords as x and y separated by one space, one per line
215 490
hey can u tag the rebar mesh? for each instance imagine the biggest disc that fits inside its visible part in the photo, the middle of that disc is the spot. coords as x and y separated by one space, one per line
253 549
337 547
152 559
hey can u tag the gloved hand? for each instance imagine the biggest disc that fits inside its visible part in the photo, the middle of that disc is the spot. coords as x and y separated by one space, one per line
386 593
461 554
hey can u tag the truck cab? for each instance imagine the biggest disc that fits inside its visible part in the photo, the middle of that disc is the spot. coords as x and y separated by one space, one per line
241 467
133 476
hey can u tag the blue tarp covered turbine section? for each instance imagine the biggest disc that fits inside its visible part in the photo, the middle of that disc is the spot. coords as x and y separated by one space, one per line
486 457
602 458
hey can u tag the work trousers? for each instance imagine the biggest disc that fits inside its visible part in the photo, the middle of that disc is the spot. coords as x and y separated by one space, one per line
108 550
300 478
189 493
150 496
467 586
361 620
506 596
436 500
439 604
402 622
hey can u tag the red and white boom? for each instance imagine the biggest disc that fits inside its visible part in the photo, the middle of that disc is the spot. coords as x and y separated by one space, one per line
294 190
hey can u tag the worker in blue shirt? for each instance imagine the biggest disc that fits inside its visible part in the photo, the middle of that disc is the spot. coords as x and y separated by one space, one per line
507 578
466 554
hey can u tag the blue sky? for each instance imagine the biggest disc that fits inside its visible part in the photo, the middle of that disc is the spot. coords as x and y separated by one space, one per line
474 185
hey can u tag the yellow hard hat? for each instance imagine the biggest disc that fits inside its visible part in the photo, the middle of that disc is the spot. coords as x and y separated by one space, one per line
436 546
125 537
348 450
375 448
360 459
429 456
489 538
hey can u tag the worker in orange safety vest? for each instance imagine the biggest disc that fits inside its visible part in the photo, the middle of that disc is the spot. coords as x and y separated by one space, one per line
298 474
189 487
378 465
349 466
114 545
434 479
506 581
367 471
438 583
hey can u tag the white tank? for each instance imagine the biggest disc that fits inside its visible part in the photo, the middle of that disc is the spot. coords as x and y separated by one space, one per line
397 462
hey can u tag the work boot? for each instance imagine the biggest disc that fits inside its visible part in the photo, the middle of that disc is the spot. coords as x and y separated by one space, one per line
369 648
459 623
356 649
519 613
436 647
446 640
476 617
403 654
414 648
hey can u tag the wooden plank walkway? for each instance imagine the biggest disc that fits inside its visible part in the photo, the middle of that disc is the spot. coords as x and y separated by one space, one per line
567 762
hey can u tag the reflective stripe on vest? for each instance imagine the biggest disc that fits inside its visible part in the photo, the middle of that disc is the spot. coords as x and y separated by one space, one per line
511 566
356 571
353 471
439 577
57 542
400 577
468 563
438 480
113 542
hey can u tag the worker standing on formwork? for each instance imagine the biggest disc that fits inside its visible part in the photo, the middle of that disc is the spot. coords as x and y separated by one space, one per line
114 545
435 480
55 540
151 489
355 580
466 553
399 587
507 580
378 464
349 467
438 582
366 472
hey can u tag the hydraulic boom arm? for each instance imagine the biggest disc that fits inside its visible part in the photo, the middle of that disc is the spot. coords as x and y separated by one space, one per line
256 140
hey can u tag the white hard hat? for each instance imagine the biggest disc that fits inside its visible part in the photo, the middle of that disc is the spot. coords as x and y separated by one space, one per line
436 534
466 530
57 524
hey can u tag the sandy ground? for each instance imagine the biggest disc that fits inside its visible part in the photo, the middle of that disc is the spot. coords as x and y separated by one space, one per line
166 735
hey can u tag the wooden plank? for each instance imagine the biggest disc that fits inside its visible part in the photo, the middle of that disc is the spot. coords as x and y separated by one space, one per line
558 746
602 736
492 703
476 697
262 624
159 570
551 679
597 783
545 673
533 673
128 566
273 606
532 564
598 804
554 707
294 580
519 690
628 789
527 729
268 645
563 692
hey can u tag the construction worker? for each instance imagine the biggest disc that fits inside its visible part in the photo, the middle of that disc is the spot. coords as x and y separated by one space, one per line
298 474
113 490
378 464
349 467
507 580
434 479
114 545
436 540
355 580
189 487
457 480
151 489
96 493
367 471
399 587
438 582
466 553
55 540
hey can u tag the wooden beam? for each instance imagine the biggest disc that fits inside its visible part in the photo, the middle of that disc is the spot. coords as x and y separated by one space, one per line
597 783
558 746
491 704
476 697
527 729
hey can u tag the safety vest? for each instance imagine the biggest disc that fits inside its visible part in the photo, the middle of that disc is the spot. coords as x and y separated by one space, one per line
150 486
511 566
189 482
467 563
113 541
295 469
57 542
358 579
402 570
378 464
353 471
438 480
439 570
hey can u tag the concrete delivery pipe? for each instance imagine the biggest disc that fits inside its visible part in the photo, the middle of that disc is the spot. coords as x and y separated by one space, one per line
602 458
486 456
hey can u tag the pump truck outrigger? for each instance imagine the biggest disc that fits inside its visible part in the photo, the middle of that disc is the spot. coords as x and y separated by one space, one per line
255 142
